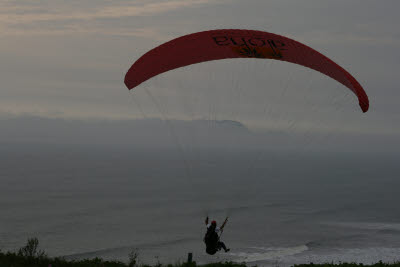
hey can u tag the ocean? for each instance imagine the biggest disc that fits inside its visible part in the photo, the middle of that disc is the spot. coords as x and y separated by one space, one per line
284 208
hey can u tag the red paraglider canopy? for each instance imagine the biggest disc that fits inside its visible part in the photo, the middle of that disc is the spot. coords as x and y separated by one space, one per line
221 44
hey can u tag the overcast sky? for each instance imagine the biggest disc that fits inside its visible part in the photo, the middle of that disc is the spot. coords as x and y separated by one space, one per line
67 59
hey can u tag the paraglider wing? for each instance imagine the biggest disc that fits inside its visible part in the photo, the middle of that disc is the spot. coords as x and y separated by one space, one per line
221 44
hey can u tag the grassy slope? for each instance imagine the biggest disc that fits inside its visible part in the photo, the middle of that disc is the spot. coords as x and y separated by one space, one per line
31 256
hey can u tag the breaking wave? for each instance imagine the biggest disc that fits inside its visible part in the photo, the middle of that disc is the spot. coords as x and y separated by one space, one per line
264 254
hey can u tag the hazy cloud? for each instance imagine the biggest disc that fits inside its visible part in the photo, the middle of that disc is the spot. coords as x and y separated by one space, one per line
22 19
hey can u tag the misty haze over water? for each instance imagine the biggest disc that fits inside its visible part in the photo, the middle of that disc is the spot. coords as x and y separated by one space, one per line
105 199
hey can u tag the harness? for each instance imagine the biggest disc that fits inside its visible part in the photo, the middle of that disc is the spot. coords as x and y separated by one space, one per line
211 240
